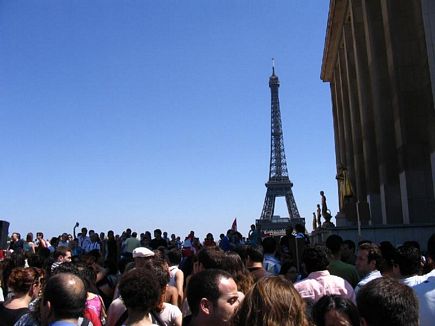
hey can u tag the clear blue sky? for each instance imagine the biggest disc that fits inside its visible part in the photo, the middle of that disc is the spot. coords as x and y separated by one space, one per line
149 114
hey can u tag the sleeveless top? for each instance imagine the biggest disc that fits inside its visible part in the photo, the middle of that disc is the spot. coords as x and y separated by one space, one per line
172 271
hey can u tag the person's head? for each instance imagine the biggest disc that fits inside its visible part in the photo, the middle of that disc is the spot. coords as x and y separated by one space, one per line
62 254
369 258
29 237
134 235
386 302
233 264
64 297
334 243
39 235
333 310
84 232
269 245
26 281
406 262
254 255
140 290
289 230
322 193
315 259
209 258
157 233
347 249
272 301
299 228
209 237
388 254
252 227
289 271
110 235
212 296
141 255
15 236
174 256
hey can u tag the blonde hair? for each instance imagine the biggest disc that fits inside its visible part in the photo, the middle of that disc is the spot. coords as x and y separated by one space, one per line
273 301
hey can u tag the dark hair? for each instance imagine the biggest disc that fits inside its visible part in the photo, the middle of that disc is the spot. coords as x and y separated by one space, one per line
385 301
204 284
255 254
334 302
350 244
140 290
408 259
233 264
67 295
334 242
29 237
285 267
61 251
269 245
210 257
315 259
373 253
174 256
388 254
299 228
66 267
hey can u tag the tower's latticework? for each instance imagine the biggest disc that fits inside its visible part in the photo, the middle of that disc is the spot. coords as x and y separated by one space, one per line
279 184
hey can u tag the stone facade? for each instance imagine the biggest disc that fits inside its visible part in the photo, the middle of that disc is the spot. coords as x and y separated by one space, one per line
379 59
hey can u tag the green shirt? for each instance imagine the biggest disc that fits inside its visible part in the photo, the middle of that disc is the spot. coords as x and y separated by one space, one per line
346 271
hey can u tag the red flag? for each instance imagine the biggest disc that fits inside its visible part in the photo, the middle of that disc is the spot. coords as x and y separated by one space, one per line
234 226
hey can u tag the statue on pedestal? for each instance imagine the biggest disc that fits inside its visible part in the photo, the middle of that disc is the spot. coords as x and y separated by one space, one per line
326 213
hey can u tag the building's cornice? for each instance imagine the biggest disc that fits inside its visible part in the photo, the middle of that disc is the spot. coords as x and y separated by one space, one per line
334 31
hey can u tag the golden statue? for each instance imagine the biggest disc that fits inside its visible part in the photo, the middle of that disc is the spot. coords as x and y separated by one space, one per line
344 185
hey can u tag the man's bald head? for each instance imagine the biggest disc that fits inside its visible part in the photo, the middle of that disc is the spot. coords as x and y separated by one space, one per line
67 296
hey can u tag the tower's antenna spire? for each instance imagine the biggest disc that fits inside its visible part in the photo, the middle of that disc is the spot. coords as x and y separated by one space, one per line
273 67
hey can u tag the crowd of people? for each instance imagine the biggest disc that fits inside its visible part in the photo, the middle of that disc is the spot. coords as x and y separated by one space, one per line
91 278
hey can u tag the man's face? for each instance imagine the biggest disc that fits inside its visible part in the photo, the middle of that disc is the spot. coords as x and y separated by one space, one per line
228 301
66 258
14 237
362 264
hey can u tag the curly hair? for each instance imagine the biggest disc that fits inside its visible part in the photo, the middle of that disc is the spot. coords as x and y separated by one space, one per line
21 279
273 301
140 290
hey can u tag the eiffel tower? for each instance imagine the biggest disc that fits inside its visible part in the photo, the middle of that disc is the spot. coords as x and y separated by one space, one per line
279 184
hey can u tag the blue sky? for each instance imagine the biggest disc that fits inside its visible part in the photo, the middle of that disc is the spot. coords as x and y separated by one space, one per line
149 114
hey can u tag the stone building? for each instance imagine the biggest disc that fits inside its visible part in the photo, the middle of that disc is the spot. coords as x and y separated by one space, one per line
379 59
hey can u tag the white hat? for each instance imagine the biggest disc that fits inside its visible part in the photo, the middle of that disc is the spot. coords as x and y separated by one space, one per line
142 252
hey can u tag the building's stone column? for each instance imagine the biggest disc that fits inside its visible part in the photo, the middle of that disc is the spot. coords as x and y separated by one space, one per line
383 113
348 205
366 112
428 10
359 188
412 99
335 122
340 122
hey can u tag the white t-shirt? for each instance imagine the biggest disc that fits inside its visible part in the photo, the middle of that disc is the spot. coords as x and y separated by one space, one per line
425 292
169 314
